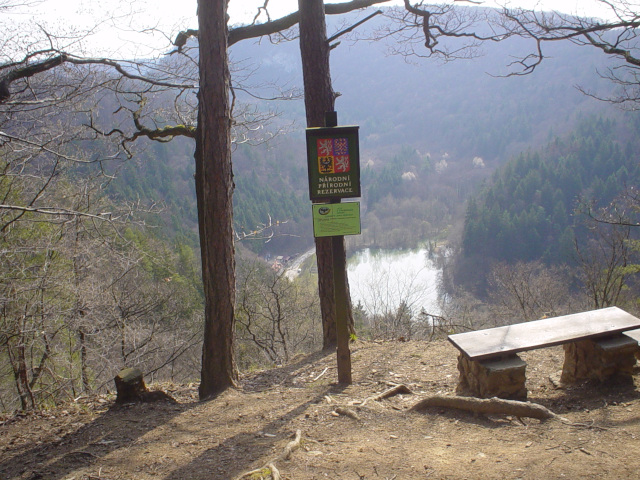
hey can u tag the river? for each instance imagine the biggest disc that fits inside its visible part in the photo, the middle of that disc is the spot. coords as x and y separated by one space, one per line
381 279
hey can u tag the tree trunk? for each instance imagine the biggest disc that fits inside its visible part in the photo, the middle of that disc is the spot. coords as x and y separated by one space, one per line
324 257
27 400
84 376
319 98
214 191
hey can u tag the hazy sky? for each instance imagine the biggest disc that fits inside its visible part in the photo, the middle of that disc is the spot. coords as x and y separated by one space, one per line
171 16
247 8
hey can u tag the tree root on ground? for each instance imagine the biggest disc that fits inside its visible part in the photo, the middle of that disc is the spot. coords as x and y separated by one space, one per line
269 470
497 406
290 447
347 412
395 390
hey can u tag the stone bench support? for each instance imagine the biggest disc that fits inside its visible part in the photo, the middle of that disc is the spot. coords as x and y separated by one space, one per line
599 359
503 377
599 344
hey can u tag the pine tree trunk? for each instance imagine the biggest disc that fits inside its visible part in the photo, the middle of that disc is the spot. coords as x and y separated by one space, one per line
319 98
214 191
324 257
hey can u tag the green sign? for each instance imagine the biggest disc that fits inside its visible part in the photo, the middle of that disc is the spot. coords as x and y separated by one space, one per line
333 157
336 219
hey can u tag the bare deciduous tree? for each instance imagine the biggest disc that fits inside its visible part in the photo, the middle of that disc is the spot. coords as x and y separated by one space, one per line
606 262
529 291
617 37
444 31
275 315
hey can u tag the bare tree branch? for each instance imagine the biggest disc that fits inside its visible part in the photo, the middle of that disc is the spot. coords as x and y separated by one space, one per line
270 27
617 38
57 211
27 70
353 27
43 148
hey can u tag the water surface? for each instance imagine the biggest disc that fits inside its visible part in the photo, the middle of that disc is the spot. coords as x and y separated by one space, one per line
381 279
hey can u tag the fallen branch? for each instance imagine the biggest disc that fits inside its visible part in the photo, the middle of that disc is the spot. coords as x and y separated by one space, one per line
318 377
395 390
291 446
488 406
269 470
347 412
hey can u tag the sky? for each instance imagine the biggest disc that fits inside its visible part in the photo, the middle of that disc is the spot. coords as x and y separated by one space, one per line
246 8
115 36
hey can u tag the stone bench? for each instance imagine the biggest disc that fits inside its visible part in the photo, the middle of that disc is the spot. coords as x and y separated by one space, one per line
595 346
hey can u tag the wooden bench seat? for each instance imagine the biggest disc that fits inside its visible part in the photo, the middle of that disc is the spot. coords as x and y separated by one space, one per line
634 334
594 348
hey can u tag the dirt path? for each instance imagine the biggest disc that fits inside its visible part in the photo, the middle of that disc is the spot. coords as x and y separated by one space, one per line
243 429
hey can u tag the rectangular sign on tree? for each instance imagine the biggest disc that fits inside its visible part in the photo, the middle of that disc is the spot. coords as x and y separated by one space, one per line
333 157
336 219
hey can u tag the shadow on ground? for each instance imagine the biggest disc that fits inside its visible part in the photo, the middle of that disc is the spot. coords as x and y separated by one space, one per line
116 428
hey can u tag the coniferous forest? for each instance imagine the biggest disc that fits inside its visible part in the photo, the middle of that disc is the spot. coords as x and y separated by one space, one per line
534 207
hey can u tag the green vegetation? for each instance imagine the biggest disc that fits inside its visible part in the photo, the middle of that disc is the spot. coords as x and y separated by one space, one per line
82 300
527 211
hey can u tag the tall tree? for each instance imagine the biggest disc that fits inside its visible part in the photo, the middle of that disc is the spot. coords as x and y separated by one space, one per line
319 98
330 251
214 190
214 177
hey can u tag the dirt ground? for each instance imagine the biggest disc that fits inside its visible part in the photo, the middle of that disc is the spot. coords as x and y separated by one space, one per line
243 429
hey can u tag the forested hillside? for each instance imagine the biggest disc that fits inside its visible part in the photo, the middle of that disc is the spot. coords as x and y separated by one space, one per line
430 133
527 210
569 204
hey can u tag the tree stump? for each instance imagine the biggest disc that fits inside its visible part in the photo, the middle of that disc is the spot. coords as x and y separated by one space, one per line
130 386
